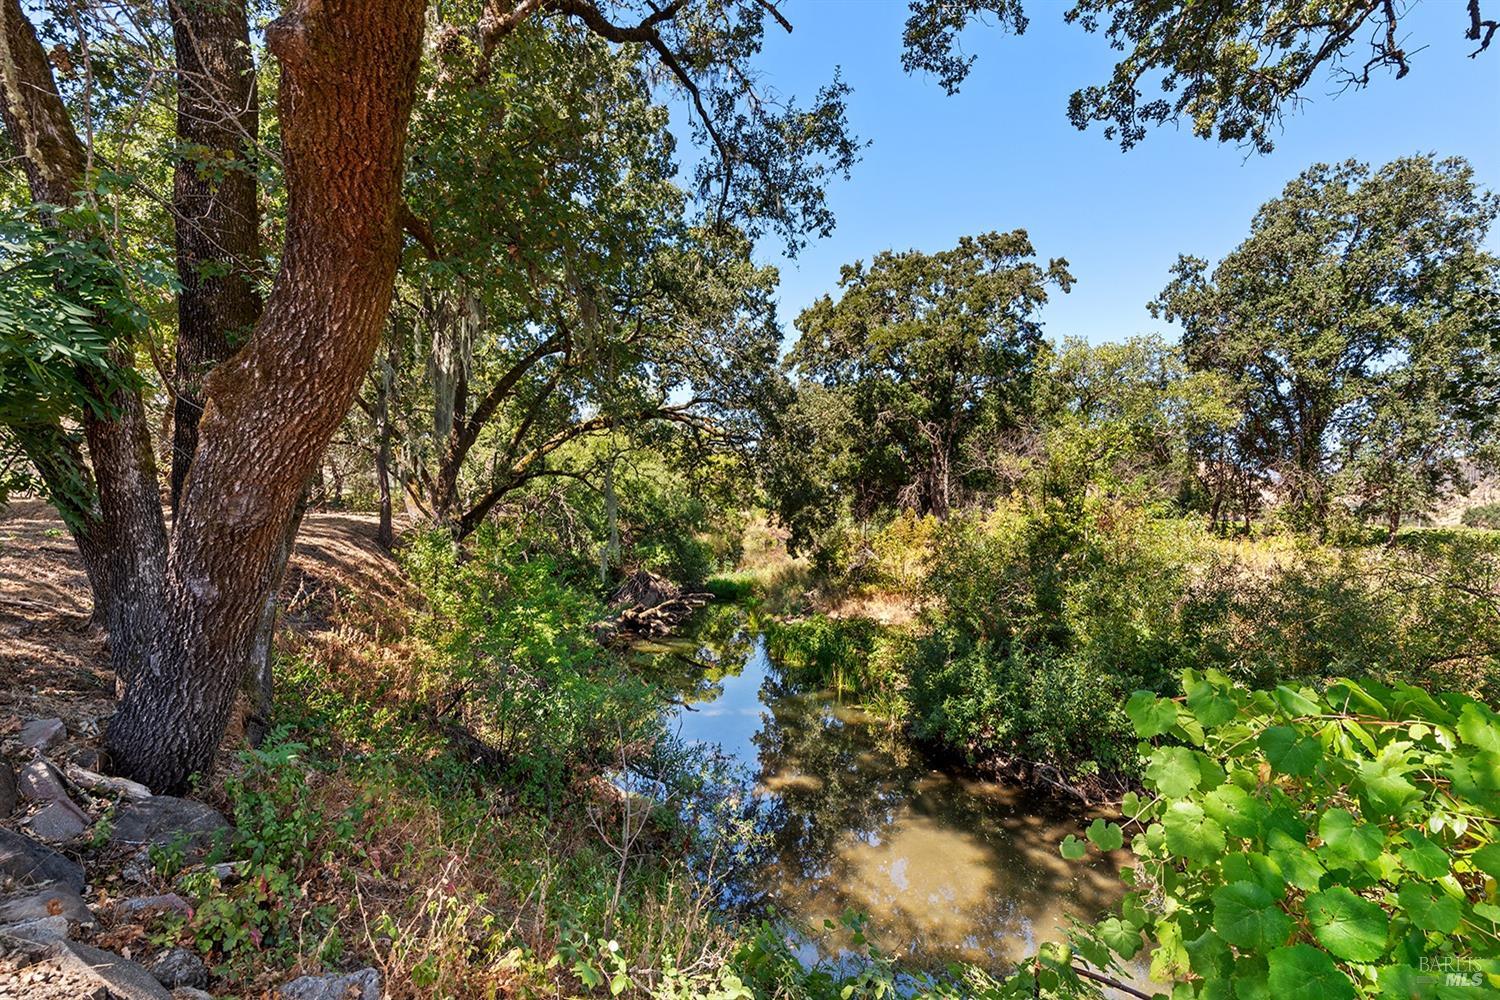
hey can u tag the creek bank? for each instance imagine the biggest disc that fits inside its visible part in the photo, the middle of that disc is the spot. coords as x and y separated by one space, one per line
67 930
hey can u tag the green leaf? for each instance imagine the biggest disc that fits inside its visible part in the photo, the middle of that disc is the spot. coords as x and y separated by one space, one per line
1479 727
1299 865
1302 972
1487 860
1072 848
1250 978
1294 702
1152 716
1236 810
1209 705
1349 926
1210 957
1346 838
1246 915
1174 771
1191 834
1386 790
1424 857
1106 836
1252 866
1289 752
1404 981
1429 908
1122 938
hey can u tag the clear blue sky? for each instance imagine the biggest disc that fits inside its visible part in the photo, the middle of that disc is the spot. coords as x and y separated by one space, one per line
1001 153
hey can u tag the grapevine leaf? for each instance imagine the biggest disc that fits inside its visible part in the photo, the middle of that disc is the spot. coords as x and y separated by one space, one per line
1152 716
1191 834
1349 926
1429 908
1246 915
1106 836
1290 752
1302 972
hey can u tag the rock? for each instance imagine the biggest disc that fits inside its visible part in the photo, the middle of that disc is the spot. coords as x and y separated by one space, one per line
188 993
43 734
164 901
59 822
90 759
28 861
42 782
54 900
40 930
8 790
361 985
179 967
162 819
230 872
120 976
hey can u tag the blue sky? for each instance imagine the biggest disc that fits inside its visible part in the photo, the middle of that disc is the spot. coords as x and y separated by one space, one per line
1002 155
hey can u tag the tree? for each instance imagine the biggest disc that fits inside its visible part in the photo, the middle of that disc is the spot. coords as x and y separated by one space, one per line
575 287
182 611
1231 68
927 348
1121 417
1357 324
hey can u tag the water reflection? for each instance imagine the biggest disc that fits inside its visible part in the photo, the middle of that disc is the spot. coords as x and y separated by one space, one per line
947 868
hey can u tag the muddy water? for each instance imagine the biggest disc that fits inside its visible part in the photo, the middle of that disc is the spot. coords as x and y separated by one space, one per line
946 868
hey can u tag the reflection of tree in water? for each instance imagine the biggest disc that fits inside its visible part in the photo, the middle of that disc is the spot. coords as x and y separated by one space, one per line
850 816
695 668
946 869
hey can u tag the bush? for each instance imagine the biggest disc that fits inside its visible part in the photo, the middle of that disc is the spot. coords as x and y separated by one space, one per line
517 661
1297 843
1484 516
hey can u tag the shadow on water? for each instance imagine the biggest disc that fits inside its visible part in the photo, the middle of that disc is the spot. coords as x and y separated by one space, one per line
947 868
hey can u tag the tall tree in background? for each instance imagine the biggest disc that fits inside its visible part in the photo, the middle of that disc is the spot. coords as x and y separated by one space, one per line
925 349
214 205
1358 324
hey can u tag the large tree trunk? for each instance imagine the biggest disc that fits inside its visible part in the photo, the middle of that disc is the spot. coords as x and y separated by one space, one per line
213 204
348 80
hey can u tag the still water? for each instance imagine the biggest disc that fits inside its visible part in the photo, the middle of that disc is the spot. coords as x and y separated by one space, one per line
947 868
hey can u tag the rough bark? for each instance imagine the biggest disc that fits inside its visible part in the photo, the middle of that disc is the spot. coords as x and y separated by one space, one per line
348 79
213 204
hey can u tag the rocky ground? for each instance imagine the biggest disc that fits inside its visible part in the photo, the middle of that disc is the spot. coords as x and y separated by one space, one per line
85 911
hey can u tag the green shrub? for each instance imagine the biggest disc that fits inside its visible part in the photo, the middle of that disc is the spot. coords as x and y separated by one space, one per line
1484 516
518 663
1297 843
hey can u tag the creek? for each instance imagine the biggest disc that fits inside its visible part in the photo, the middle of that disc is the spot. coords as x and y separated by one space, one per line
945 866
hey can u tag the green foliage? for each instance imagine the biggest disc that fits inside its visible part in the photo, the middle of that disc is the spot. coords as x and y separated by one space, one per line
837 652
284 835
1327 843
919 353
65 311
517 661
1356 326
1484 516
1231 70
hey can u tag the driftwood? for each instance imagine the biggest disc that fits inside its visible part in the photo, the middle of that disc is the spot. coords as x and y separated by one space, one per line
105 785
647 606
